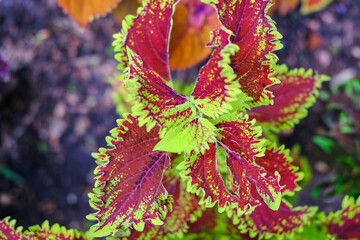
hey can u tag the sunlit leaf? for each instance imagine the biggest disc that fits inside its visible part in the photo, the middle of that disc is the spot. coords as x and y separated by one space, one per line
310 6
154 101
345 223
129 188
84 11
154 19
194 135
216 85
296 92
193 20
256 36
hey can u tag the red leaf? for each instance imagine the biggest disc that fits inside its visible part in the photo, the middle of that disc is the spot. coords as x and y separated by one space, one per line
148 36
279 160
9 232
256 36
215 86
129 186
156 102
239 135
246 176
266 222
206 179
310 6
294 94
345 223
185 210
240 140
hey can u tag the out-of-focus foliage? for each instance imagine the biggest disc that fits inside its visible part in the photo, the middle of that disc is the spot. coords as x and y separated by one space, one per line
341 140
284 7
84 11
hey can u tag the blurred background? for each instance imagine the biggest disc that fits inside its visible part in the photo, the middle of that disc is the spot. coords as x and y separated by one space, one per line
56 106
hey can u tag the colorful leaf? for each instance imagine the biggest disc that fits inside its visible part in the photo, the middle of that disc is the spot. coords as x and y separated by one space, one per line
129 188
284 7
155 102
190 33
154 19
211 226
256 36
246 176
239 135
310 6
215 86
185 210
315 230
278 160
45 232
240 140
205 179
194 135
124 8
296 93
345 223
266 223
8 230
120 95
83 11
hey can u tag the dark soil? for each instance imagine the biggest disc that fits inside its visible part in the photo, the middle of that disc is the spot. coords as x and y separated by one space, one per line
57 108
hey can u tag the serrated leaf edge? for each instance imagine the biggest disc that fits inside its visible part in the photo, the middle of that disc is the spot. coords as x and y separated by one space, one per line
244 227
303 110
294 169
102 160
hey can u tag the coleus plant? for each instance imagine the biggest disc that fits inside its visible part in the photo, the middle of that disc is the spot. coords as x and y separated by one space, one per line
175 155
226 160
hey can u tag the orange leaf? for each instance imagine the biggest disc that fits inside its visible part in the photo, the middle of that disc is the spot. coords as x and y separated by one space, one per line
193 20
124 8
310 6
83 11
284 7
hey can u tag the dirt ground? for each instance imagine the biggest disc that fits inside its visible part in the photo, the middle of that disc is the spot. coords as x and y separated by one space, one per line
57 107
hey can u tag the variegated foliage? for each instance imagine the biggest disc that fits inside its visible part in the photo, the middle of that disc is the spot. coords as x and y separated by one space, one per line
227 162
8 231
